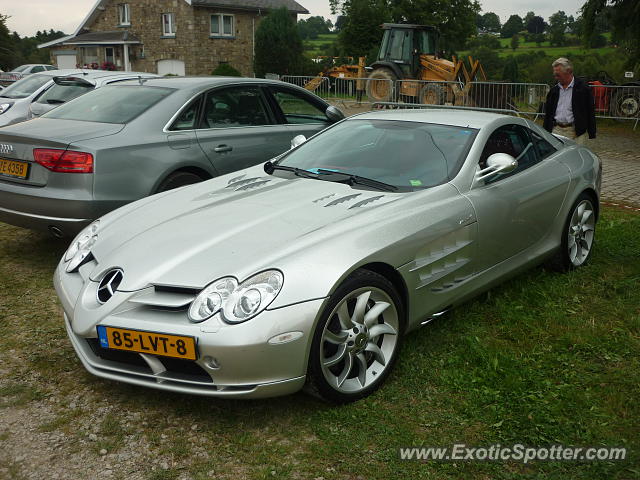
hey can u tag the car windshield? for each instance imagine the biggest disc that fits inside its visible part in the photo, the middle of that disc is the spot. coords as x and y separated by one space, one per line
408 155
26 86
63 93
111 104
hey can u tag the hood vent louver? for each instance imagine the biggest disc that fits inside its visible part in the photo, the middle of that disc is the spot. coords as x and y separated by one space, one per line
340 200
249 186
366 201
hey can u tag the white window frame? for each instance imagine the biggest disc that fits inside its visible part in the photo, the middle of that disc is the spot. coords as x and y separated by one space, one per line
124 14
172 25
220 18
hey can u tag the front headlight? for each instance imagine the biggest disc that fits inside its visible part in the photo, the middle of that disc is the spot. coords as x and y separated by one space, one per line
237 303
81 246
4 107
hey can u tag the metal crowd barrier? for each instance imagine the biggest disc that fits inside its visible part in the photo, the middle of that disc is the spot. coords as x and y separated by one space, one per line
611 101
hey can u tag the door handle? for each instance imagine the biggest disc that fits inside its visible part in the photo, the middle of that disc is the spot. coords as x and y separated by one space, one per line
222 148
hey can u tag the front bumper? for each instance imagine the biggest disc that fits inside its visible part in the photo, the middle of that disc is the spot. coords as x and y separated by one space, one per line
246 364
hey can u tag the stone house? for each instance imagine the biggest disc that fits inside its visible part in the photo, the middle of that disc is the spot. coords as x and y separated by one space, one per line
180 37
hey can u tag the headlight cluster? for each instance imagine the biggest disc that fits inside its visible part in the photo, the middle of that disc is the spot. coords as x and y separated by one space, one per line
81 246
237 302
4 107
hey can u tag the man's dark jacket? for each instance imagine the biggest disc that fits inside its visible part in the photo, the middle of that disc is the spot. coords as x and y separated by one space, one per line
584 116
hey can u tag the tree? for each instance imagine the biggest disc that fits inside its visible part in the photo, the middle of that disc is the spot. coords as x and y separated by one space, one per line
557 27
515 41
7 53
278 44
488 41
456 19
361 30
491 22
313 26
340 21
527 18
511 72
536 25
538 38
511 27
622 17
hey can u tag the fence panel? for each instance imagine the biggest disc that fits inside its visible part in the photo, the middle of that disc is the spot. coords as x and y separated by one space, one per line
617 101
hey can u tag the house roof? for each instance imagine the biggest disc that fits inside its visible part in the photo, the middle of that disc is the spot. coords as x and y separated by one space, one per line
255 5
119 36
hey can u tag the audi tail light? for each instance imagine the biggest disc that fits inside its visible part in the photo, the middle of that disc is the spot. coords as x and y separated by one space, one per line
64 161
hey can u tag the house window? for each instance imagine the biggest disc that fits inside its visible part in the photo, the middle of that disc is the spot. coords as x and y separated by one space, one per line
222 25
123 14
168 25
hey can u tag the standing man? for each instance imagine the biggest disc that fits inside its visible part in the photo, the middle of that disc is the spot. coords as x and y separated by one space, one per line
569 109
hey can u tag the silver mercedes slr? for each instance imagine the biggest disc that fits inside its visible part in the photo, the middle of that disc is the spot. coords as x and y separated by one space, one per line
307 271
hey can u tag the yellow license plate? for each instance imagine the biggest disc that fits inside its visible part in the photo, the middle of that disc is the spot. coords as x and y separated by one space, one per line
153 343
13 169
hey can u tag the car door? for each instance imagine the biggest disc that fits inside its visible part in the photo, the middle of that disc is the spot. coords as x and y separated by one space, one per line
516 210
237 129
304 114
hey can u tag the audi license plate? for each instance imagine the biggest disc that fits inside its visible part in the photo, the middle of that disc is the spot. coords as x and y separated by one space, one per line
176 346
13 169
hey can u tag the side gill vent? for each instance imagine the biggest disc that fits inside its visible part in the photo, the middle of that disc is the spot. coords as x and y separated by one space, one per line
249 186
236 179
366 201
340 200
167 298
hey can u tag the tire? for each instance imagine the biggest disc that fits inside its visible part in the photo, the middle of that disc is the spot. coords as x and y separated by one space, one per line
432 94
357 339
380 85
626 103
578 235
179 179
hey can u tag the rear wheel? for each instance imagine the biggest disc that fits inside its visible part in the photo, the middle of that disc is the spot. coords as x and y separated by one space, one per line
357 339
179 179
577 235
432 94
626 103
380 85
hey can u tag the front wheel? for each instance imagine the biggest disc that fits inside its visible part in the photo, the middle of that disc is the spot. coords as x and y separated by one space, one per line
357 339
577 235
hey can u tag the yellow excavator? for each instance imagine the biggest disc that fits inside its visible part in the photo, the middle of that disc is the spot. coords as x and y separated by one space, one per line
409 53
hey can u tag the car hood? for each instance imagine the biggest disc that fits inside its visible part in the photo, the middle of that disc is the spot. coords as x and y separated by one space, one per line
53 130
221 227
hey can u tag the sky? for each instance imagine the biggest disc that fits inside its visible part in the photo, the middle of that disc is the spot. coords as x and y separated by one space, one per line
29 16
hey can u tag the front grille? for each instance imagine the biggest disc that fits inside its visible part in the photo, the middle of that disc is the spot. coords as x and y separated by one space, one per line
186 369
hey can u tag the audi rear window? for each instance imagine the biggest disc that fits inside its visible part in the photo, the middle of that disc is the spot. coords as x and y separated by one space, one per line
111 104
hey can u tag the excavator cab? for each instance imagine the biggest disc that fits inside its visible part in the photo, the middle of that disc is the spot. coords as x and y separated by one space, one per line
402 45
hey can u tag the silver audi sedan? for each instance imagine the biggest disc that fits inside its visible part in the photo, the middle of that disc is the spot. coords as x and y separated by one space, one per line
122 142
307 271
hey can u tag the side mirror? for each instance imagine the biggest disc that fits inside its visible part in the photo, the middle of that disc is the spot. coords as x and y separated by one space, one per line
334 114
298 140
498 163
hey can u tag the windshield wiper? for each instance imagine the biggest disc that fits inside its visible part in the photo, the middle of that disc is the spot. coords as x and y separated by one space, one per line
351 179
300 172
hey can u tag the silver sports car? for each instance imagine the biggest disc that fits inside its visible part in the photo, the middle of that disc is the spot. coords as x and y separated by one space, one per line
308 270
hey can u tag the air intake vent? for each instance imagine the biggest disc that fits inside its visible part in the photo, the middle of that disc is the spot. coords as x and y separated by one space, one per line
255 184
340 200
366 201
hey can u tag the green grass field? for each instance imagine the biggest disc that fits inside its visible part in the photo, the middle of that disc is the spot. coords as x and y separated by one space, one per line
545 359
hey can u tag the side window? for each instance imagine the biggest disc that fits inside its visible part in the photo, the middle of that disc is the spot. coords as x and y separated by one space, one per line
188 117
235 107
37 68
544 148
515 141
297 109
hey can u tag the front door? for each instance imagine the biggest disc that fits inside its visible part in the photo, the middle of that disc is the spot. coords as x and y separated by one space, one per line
237 129
516 210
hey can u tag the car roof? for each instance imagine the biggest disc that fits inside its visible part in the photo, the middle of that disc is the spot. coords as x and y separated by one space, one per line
97 74
459 118
196 82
